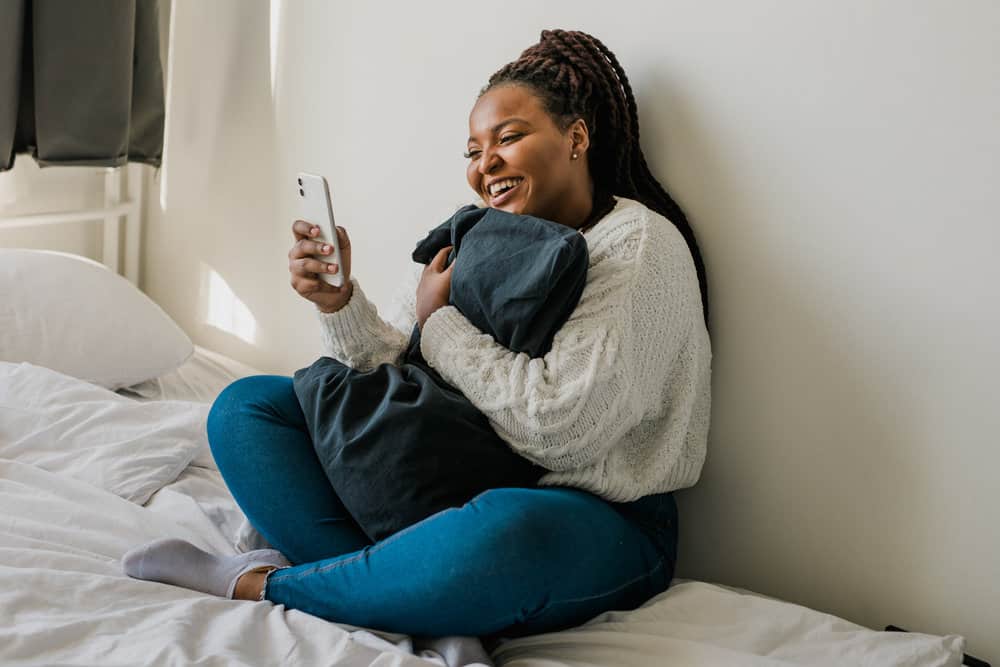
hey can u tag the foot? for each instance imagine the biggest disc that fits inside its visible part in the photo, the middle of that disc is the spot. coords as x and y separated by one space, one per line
180 563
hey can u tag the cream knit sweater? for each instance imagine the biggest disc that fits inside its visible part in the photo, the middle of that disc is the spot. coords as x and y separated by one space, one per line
619 406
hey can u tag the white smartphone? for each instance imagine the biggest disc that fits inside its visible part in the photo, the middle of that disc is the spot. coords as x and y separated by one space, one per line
315 207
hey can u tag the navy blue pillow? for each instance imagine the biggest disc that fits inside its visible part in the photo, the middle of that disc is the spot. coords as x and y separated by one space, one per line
399 443
516 277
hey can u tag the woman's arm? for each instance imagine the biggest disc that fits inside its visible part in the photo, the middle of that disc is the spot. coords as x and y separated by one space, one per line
357 336
607 366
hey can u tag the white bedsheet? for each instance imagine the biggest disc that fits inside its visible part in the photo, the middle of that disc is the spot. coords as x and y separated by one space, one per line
200 378
696 623
67 426
65 601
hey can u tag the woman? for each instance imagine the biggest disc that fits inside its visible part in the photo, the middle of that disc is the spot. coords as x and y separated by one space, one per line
617 411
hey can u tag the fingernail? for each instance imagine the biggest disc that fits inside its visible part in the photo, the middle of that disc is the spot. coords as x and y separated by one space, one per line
314 231
326 248
332 268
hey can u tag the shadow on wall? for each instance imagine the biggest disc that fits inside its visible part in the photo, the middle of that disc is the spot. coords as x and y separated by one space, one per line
809 483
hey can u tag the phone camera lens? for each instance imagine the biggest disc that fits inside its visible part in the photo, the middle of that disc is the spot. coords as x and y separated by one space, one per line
302 193
300 181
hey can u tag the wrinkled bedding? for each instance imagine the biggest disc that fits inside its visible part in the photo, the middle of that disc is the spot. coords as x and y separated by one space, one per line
67 520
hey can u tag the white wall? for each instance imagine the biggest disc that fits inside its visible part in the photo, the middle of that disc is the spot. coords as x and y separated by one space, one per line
839 163
27 189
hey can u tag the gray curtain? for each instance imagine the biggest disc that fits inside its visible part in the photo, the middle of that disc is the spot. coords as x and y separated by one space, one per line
80 82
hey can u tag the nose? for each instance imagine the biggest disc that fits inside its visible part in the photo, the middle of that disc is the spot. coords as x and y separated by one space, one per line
489 160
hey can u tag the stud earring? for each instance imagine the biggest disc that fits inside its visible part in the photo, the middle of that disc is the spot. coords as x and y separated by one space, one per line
574 156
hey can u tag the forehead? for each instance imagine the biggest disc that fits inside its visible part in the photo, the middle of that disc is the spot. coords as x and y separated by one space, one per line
505 102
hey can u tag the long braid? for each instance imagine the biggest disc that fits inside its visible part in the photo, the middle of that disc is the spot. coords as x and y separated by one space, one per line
577 76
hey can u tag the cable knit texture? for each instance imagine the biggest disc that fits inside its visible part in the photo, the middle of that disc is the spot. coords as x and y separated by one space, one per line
619 406
356 336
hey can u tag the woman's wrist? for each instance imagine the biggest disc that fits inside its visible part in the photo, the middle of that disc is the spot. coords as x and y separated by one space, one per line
329 310
422 318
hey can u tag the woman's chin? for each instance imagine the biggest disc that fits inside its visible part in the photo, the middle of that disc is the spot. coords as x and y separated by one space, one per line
510 208
516 206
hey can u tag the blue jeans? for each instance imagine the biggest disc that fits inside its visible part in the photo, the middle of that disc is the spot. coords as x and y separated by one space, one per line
510 562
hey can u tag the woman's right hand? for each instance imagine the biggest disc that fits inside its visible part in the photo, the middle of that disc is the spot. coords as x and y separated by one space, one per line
305 268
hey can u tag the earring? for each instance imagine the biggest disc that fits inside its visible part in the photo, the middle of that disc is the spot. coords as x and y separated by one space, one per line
574 156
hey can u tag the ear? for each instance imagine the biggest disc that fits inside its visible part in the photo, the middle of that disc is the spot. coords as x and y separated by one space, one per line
579 136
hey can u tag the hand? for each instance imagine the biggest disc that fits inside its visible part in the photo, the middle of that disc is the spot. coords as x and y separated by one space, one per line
305 269
435 286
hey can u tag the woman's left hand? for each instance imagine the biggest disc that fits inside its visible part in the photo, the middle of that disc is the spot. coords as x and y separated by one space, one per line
435 286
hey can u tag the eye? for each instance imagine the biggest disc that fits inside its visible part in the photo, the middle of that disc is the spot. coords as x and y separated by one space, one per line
507 138
472 154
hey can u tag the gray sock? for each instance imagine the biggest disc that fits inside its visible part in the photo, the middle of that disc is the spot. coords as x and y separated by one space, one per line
180 563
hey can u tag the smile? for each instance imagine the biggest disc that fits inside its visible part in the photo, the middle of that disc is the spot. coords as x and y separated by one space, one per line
501 191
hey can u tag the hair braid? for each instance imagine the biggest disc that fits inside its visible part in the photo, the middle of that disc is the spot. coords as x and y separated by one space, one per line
577 76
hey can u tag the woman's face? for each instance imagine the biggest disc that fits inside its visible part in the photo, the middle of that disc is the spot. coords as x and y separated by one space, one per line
521 162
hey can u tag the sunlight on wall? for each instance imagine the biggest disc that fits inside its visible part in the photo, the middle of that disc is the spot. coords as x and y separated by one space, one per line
221 308
168 97
275 25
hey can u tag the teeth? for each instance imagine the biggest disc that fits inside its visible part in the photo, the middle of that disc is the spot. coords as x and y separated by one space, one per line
503 185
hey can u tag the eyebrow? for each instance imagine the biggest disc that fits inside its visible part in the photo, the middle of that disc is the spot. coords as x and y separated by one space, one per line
496 128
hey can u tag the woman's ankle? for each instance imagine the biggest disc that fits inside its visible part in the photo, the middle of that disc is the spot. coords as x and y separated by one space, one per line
250 584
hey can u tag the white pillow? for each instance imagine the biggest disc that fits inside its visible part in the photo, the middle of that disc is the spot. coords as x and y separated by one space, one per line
74 428
76 316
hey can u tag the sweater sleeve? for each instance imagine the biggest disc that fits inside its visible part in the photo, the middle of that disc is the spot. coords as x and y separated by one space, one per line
357 336
567 409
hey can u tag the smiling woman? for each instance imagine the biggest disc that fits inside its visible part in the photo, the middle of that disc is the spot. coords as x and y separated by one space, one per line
570 99
521 162
615 413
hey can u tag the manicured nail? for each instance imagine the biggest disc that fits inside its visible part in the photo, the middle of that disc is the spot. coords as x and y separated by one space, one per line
326 248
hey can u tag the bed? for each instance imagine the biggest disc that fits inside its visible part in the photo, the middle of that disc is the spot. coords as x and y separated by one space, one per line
95 460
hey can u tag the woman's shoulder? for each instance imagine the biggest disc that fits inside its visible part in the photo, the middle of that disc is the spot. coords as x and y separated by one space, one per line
648 241
631 226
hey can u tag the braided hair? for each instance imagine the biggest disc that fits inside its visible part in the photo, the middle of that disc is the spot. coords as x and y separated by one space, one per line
577 76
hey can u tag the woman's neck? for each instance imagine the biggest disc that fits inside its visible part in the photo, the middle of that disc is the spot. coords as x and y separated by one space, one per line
582 208
602 205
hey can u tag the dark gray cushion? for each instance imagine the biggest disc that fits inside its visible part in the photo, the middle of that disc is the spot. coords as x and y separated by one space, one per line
399 443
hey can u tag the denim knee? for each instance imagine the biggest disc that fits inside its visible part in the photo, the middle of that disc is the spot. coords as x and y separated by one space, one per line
225 404
237 393
239 398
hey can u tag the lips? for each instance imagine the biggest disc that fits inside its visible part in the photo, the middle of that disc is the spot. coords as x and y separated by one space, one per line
506 195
